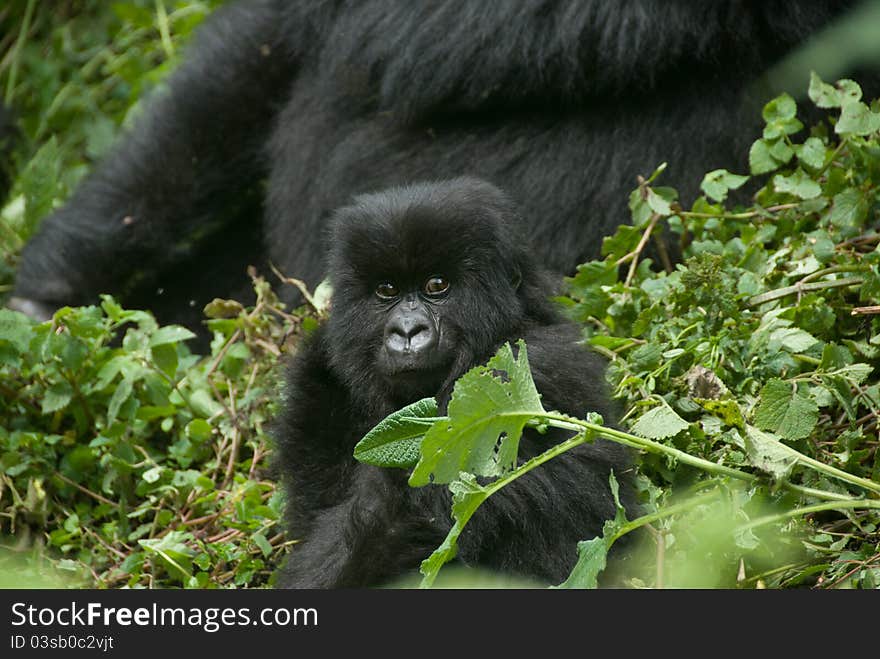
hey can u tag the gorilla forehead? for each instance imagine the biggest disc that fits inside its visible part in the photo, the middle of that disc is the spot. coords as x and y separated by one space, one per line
422 228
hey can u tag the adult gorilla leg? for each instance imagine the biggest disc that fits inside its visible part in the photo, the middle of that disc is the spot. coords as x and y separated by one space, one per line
184 169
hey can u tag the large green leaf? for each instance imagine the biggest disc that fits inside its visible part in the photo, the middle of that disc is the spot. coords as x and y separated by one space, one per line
489 408
784 410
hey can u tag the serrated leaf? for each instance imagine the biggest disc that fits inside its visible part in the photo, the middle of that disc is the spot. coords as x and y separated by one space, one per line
782 409
170 334
822 94
767 453
592 554
856 372
811 153
761 161
792 339
849 208
15 328
659 200
490 405
857 119
797 184
781 108
395 440
57 397
659 423
716 184
467 496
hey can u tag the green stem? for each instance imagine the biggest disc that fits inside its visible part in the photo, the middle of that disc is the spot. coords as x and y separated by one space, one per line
806 510
801 287
22 35
569 423
164 29
633 441
738 216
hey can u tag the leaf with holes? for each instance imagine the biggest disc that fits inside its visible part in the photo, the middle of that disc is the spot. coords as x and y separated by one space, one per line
489 408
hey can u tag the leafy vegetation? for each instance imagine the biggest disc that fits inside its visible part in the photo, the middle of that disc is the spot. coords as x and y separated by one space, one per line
741 333
745 368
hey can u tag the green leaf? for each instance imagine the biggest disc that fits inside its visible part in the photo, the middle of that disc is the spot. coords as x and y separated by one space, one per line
792 339
57 397
761 160
857 119
261 542
822 94
780 116
659 423
165 357
592 554
798 184
40 183
490 405
784 410
202 403
198 430
467 496
395 440
170 334
848 208
15 328
716 184
811 153
768 454
120 395
781 108
660 199
174 554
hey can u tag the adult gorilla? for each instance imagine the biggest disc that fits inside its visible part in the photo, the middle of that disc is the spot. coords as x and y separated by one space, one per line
561 102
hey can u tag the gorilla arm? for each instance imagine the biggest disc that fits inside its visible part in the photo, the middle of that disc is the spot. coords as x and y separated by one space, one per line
197 143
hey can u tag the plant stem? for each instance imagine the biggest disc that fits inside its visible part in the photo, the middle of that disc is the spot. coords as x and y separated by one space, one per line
806 510
22 36
801 287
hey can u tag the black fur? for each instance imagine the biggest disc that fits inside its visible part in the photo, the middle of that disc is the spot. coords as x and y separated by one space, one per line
561 102
360 525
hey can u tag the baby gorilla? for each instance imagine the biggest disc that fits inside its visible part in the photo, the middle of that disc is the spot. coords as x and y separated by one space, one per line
429 281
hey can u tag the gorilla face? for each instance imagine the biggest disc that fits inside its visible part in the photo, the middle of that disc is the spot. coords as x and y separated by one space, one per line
417 347
425 280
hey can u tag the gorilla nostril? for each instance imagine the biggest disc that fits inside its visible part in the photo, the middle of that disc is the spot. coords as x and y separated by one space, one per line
409 336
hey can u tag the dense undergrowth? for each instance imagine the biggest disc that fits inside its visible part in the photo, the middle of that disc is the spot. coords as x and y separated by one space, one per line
747 367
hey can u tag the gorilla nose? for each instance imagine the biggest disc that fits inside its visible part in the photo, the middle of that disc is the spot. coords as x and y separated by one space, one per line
409 335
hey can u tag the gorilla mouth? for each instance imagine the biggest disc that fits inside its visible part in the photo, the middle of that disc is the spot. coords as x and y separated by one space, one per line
414 373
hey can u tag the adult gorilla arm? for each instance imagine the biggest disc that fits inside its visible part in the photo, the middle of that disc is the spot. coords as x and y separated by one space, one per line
182 166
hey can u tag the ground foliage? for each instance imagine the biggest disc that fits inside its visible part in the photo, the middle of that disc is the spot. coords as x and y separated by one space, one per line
747 367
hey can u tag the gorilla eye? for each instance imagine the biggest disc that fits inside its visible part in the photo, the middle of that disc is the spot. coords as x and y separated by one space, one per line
386 290
436 286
